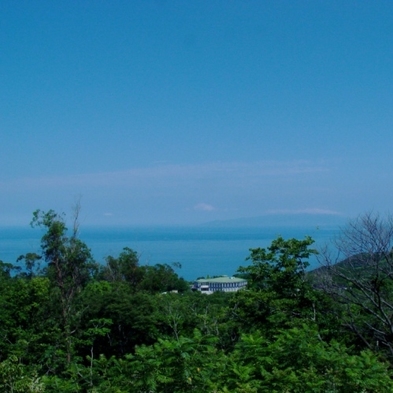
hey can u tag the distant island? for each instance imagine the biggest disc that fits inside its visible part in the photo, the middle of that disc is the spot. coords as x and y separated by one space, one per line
284 219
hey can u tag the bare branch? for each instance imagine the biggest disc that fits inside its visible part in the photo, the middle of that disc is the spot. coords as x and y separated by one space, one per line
363 278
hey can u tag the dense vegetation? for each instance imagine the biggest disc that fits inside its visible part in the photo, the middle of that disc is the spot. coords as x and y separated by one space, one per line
71 325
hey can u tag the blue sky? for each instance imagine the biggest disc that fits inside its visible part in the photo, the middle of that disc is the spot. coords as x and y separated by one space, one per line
183 112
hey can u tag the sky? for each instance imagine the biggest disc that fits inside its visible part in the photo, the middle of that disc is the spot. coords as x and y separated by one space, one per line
185 112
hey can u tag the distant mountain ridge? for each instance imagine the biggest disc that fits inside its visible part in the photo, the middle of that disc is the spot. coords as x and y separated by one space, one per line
276 220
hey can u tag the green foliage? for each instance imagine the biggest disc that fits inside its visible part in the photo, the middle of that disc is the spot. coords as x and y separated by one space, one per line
280 267
124 268
70 263
298 360
173 366
279 292
119 329
17 378
161 278
31 263
69 268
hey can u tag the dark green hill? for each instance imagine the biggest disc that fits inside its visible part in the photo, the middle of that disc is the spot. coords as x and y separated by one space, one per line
357 268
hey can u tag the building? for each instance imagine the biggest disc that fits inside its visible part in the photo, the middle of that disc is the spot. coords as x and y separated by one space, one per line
222 284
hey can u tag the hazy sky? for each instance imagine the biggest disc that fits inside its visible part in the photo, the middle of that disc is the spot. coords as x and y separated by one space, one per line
182 112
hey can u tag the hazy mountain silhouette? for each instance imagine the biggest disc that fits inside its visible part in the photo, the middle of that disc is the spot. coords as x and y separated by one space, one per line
271 220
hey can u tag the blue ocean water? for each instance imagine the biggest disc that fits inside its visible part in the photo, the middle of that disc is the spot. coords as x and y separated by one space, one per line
200 250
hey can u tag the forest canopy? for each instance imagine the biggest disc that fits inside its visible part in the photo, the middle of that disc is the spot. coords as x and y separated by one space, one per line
70 324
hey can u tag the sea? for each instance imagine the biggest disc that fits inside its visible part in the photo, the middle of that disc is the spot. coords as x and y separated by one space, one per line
200 250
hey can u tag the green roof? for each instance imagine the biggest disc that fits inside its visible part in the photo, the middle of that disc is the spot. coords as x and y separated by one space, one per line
223 279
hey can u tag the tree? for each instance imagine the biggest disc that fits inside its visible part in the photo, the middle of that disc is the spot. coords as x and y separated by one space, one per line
124 268
297 360
279 291
69 265
281 267
31 265
16 378
161 278
363 279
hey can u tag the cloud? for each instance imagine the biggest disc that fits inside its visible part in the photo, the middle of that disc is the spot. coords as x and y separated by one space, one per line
162 173
165 192
311 211
204 207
